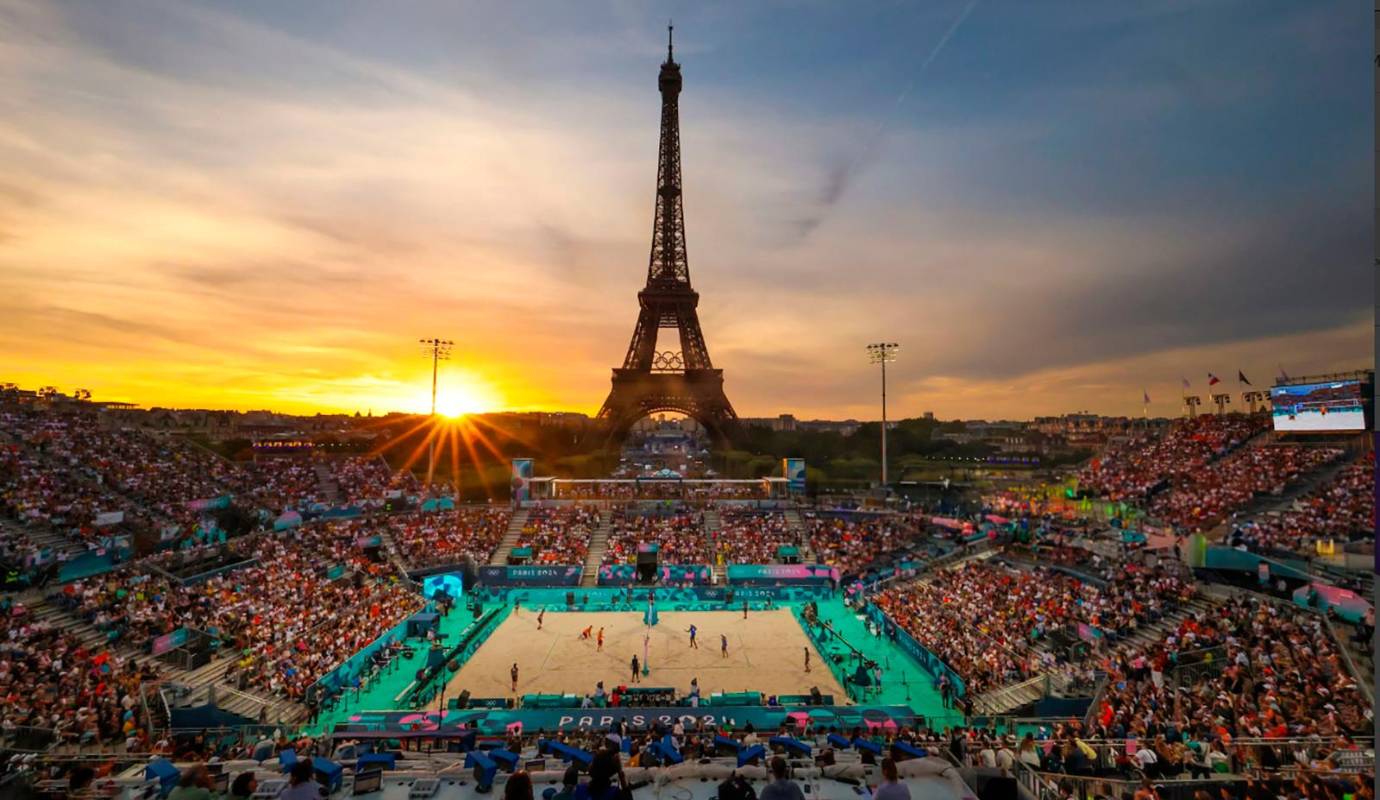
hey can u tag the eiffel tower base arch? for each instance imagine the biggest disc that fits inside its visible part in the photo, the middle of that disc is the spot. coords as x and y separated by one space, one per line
698 394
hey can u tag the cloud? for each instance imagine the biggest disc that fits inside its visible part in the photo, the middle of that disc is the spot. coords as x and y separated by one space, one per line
194 191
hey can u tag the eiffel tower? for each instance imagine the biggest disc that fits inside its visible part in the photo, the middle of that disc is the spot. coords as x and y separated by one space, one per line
683 380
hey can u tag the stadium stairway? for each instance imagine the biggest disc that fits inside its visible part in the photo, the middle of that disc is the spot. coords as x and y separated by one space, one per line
326 483
797 529
598 545
1005 699
243 703
391 548
91 638
712 525
510 538
41 535
1008 698
1169 622
208 684
1305 484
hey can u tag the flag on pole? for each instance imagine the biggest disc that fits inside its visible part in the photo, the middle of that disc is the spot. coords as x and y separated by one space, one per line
1146 397
1282 373
1185 383
1213 380
1241 376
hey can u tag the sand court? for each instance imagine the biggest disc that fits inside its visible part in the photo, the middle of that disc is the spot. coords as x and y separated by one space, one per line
766 653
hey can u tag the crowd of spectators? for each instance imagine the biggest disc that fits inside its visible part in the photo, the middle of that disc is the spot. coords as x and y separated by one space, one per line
1204 497
988 621
679 535
1341 510
49 681
368 480
1131 469
44 486
1274 672
282 484
310 601
446 537
853 543
1067 755
559 535
65 470
751 537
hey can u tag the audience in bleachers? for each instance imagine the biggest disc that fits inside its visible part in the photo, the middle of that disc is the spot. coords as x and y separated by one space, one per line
1131 469
679 536
1276 673
1340 510
446 537
1199 472
853 543
559 535
1204 497
288 620
751 537
50 681
984 618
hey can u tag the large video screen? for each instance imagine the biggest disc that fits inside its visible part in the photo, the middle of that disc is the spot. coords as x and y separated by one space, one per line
1332 406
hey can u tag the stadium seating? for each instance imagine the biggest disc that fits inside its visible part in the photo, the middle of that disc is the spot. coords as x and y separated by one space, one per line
679 535
984 618
559 535
854 543
445 536
1133 468
1277 673
1341 509
752 537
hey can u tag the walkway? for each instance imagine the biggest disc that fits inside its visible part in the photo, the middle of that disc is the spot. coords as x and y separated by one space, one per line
904 683
386 691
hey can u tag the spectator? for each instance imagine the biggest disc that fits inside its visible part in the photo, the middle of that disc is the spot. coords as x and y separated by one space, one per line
194 784
781 786
519 786
302 783
891 787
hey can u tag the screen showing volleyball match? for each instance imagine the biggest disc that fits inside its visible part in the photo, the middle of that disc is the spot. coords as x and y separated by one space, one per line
1331 406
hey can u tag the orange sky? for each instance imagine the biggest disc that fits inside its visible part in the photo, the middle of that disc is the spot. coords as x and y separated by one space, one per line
210 210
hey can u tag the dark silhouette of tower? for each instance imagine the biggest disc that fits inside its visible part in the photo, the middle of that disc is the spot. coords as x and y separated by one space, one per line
683 380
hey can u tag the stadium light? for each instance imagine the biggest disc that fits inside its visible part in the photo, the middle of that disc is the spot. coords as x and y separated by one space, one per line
881 353
440 351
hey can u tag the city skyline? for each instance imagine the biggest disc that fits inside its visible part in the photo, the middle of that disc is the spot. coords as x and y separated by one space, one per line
266 209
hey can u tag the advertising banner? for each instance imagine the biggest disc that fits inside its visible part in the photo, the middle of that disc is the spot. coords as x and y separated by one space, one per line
781 574
794 469
168 641
522 479
873 719
1345 603
287 519
667 574
534 575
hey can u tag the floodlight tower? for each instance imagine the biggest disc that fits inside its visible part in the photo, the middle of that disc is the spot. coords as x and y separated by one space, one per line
881 353
439 349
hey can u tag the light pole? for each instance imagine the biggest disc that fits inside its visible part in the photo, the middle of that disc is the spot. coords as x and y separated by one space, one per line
881 353
440 351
